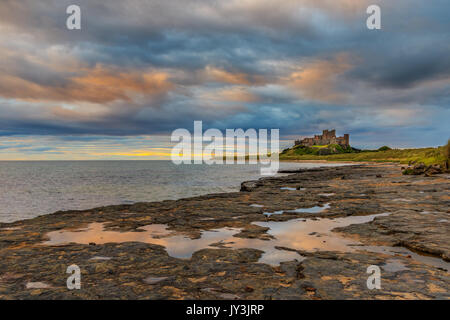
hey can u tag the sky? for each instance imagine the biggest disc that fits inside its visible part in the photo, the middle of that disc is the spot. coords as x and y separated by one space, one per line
137 70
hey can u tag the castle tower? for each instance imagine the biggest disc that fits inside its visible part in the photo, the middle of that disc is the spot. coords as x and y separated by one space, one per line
347 139
332 133
327 137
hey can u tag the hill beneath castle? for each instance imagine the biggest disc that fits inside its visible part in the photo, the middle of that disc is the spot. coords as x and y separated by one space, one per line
334 152
318 150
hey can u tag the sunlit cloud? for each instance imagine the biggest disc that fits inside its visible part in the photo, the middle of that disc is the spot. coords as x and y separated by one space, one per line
97 85
219 75
319 79
140 69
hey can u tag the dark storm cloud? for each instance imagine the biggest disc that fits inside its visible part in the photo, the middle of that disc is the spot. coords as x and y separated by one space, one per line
148 67
406 64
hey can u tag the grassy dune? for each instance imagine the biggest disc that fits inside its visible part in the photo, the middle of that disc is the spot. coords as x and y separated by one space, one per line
425 155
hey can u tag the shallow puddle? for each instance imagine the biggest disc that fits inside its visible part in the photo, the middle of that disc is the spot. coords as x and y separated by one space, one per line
394 265
316 209
37 285
10 228
177 245
288 188
298 234
403 200
401 251
154 280
268 214
100 258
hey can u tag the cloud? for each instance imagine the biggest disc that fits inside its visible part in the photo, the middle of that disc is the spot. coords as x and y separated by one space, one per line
237 94
148 67
219 75
318 79
97 85
133 16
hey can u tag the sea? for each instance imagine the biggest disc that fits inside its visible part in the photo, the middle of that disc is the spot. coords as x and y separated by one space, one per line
32 188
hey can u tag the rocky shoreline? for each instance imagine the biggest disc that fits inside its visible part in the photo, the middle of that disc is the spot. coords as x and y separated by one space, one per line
418 221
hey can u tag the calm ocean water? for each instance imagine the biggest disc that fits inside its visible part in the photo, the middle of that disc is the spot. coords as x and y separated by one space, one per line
29 189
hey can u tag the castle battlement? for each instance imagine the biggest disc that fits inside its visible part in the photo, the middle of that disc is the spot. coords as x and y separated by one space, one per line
327 137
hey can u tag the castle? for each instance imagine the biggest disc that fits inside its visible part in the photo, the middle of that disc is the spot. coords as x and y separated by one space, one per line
327 137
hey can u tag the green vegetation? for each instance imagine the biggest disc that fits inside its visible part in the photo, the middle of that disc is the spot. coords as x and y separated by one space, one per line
427 156
317 150
447 155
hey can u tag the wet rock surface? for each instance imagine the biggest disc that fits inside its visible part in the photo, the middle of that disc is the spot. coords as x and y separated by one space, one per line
419 220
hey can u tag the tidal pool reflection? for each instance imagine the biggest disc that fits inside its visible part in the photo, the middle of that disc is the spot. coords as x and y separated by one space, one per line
298 234
316 209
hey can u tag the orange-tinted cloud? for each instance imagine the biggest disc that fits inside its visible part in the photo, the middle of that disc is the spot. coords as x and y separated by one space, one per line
237 94
341 7
317 79
230 94
219 75
97 85
160 152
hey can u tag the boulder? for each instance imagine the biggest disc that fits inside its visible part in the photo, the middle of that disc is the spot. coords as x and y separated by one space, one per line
421 168
433 169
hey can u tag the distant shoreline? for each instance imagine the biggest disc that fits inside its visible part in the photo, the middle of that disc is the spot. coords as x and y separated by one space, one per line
335 161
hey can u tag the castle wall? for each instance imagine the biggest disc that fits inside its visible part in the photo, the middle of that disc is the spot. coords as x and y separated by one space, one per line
327 137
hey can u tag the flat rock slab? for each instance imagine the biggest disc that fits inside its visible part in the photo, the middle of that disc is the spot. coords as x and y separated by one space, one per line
419 210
